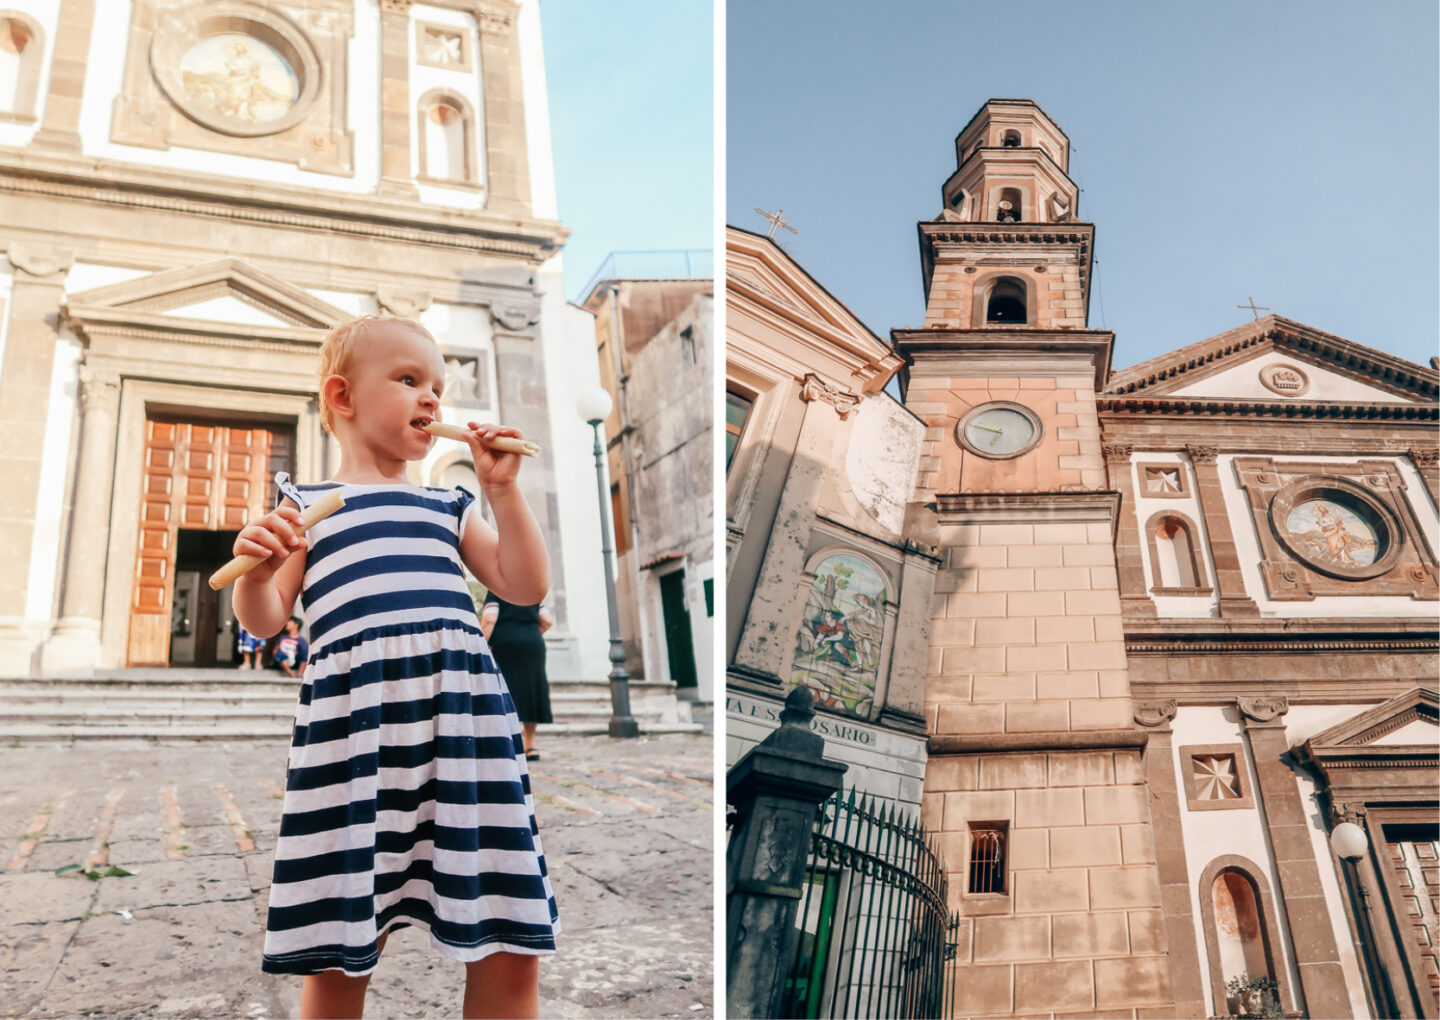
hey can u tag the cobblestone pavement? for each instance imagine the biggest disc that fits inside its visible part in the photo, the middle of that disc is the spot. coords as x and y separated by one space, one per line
628 837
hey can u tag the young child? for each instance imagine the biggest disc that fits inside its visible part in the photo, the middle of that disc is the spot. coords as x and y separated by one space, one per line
293 650
407 798
251 649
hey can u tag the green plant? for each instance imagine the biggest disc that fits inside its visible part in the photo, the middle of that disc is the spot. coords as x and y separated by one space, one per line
1255 997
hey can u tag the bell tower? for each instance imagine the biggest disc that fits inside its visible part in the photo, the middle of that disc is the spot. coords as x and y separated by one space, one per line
1012 191
1034 762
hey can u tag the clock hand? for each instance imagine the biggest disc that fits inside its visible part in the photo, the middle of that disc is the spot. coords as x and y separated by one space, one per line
987 428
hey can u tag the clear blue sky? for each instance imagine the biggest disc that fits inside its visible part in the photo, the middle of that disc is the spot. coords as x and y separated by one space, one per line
1283 150
631 86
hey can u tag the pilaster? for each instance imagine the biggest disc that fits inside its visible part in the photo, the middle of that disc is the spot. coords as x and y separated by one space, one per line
1229 582
1134 599
507 166
1316 954
395 112
61 127
1174 875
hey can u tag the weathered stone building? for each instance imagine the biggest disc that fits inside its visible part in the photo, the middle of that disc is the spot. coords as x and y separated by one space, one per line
193 193
823 586
654 322
1184 625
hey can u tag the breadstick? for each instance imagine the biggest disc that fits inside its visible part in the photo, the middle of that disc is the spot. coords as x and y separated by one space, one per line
309 517
505 444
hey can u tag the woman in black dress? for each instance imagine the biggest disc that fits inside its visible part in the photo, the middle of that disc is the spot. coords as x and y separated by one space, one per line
514 633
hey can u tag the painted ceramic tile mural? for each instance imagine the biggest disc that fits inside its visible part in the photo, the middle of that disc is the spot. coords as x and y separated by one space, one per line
837 651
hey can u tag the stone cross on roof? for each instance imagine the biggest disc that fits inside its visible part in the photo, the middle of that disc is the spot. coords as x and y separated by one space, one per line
1254 309
777 219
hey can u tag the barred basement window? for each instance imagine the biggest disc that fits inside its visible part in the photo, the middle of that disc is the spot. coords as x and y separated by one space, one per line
987 857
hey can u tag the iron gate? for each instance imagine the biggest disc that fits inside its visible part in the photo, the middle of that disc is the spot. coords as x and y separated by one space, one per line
876 936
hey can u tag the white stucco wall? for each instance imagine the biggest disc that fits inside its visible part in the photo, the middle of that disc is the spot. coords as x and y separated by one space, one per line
1247 546
105 76
1243 383
54 472
1173 606
537 114
1212 834
883 458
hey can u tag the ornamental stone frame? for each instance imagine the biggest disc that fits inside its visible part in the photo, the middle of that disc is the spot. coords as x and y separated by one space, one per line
1407 567
153 109
1270 921
1245 797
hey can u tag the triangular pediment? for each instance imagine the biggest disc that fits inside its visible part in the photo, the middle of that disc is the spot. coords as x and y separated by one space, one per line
1412 719
225 291
1275 359
760 271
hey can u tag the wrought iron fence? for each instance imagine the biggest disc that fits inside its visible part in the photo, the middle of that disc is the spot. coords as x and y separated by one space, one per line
877 938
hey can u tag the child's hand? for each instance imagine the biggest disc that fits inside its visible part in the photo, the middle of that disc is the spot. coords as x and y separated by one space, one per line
493 469
273 537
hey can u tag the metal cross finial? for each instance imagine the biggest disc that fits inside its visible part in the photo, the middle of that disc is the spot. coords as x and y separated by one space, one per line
1254 309
777 219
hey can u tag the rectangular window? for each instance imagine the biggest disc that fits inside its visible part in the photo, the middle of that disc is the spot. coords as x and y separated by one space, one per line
737 409
987 857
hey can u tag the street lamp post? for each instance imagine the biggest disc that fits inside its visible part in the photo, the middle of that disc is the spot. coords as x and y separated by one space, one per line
1351 844
594 407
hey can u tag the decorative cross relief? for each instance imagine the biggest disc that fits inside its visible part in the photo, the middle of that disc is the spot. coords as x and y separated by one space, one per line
465 381
812 387
1215 777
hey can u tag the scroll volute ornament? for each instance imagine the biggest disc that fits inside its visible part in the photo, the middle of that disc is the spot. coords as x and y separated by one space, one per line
1202 454
812 387
1263 709
1117 452
1155 713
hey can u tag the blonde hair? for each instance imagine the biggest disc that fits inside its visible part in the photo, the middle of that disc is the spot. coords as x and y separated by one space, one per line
338 349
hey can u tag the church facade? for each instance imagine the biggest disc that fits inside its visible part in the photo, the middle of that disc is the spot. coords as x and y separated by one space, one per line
194 194
1182 630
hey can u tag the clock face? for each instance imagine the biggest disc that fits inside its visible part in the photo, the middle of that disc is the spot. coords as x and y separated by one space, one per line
999 431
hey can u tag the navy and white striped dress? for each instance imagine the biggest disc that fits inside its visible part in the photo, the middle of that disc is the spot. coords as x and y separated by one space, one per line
407 799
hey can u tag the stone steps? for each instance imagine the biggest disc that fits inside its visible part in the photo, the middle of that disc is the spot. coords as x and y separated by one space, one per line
227 704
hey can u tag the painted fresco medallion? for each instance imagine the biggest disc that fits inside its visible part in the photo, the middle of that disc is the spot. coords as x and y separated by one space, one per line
837 649
239 78
1328 532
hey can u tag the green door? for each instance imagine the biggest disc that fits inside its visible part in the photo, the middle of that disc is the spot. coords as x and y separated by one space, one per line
679 648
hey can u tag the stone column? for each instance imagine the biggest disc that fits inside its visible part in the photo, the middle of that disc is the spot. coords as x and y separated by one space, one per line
1164 796
395 113
507 165
766 642
25 374
1316 954
75 644
774 791
1135 600
1229 582
61 126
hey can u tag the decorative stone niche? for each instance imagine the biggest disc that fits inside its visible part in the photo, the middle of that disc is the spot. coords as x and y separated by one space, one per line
239 77
22 50
1336 529
1215 777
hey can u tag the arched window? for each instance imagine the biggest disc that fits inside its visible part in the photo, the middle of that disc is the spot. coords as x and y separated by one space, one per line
447 138
1009 207
1175 560
1012 139
1240 931
21 51
1006 303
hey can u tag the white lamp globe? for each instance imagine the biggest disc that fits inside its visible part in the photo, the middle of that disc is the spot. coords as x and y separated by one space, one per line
1349 841
594 405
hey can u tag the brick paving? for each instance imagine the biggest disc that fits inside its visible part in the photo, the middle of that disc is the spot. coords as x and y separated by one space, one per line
628 837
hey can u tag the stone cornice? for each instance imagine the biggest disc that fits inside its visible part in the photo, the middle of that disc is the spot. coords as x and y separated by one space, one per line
1189 637
918 344
1092 505
1359 413
1336 353
107 182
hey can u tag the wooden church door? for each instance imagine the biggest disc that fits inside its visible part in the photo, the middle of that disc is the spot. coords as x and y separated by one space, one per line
204 476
